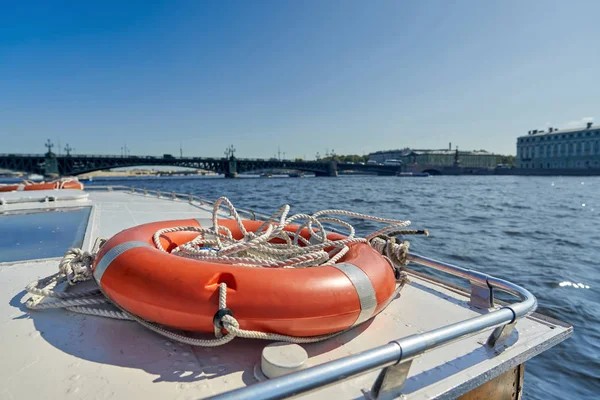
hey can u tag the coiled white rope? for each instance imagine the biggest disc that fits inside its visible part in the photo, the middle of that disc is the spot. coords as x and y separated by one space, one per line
256 249
217 244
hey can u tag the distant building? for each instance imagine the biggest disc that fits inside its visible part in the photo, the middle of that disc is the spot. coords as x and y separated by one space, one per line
571 148
382 156
439 158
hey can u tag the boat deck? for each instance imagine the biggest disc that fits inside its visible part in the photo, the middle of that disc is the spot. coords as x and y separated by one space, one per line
59 354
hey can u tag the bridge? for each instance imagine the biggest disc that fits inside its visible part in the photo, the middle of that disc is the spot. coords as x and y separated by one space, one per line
50 164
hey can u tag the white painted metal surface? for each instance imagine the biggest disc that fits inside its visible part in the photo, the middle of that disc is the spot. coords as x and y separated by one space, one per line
55 354
19 198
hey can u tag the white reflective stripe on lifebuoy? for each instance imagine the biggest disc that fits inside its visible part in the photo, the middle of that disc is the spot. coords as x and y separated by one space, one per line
113 253
364 289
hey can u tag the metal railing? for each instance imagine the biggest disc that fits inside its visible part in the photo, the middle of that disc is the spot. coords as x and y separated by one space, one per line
395 357
253 215
21 155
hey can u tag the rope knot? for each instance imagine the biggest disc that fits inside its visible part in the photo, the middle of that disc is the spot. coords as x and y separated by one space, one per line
76 265
230 323
394 250
219 317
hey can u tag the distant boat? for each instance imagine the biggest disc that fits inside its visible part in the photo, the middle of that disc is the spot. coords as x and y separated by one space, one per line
266 175
414 174
296 174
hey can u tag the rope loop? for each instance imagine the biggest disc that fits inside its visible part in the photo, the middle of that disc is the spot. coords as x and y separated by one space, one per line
76 265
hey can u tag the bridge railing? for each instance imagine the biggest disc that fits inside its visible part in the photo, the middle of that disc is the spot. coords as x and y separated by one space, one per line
20 155
162 158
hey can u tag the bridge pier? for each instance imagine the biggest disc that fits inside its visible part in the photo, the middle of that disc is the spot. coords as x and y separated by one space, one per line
50 165
231 168
331 170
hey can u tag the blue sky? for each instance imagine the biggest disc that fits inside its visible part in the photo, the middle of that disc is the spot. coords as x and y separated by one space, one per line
304 76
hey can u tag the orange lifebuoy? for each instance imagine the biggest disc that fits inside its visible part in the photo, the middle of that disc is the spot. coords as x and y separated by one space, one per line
72 185
183 293
58 184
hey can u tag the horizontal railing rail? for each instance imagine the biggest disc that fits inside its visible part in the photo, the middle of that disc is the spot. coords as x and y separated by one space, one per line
403 350
173 195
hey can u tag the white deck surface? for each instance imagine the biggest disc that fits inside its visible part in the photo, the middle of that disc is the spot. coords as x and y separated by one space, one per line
57 354
20 198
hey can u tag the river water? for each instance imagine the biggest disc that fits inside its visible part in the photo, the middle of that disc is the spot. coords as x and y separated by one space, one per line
540 232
